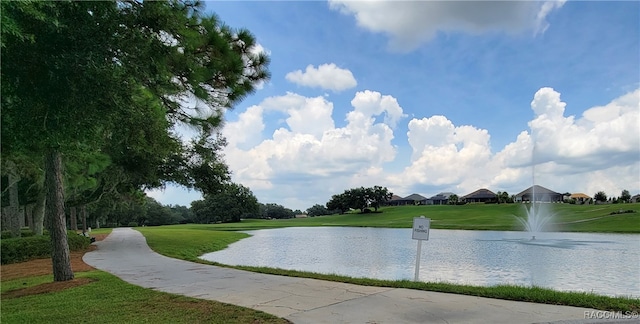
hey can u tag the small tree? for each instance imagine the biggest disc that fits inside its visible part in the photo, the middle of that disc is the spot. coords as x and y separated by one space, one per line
318 210
229 204
358 198
338 203
600 196
276 211
503 197
378 195
453 199
625 196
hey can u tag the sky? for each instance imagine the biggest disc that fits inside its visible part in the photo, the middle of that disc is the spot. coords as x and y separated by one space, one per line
428 97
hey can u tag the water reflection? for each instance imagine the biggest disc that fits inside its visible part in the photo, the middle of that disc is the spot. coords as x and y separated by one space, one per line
607 264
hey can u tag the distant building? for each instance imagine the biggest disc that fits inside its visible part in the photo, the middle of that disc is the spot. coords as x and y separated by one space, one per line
480 196
635 199
440 199
539 194
398 201
417 199
580 198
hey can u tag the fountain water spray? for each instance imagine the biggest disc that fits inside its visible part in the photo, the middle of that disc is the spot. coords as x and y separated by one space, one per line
538 217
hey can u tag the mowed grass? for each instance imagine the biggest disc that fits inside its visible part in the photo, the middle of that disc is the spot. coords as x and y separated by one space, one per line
107 299
188 243
567 217
194 237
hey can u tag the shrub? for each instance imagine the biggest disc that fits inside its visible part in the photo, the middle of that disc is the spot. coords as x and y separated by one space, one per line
77 242
622 212
19 249
25 232
133 224
24 248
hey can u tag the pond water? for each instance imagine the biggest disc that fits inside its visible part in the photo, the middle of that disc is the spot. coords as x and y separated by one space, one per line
606 264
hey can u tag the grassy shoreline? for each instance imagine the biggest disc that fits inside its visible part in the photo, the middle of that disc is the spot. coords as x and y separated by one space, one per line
499 217
198 240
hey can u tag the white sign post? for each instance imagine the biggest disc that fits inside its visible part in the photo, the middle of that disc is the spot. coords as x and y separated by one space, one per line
421 233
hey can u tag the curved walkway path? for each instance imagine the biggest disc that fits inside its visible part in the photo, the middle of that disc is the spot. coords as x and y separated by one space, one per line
126 254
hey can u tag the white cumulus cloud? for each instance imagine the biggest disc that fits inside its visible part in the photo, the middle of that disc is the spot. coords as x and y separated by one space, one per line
444 155
610 131
310 154
305 115
599 151
374 103
410 23
326 76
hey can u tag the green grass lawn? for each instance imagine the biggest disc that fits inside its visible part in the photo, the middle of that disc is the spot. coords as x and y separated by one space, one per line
582 218
110 300
188 243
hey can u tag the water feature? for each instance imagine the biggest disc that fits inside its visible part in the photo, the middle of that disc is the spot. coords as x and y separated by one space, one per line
606 264
538 215
538 219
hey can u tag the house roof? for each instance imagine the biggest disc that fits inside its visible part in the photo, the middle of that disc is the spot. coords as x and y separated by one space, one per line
579 195
480 194
396 198
538 190
415 197
442 195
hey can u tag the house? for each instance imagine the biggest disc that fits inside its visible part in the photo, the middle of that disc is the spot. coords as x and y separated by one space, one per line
398 201
440 199
538 193
635 198
480 196
417 199
580 198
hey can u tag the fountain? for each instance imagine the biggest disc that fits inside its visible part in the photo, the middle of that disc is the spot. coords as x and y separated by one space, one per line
538 216
537 219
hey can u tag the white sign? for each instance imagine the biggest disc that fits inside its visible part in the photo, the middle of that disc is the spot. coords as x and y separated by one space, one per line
421 228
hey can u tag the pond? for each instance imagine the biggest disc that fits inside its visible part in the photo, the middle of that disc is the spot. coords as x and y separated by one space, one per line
605 264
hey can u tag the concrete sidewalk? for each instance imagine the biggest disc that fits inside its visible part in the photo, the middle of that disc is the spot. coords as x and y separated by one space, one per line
126 254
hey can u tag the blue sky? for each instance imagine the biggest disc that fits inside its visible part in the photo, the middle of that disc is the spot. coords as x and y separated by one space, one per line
425 97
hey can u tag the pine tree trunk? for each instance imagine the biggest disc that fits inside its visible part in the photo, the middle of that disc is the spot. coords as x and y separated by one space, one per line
29 214
38 212
22 216
60 255
14 212
73 219
4 219
83 213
